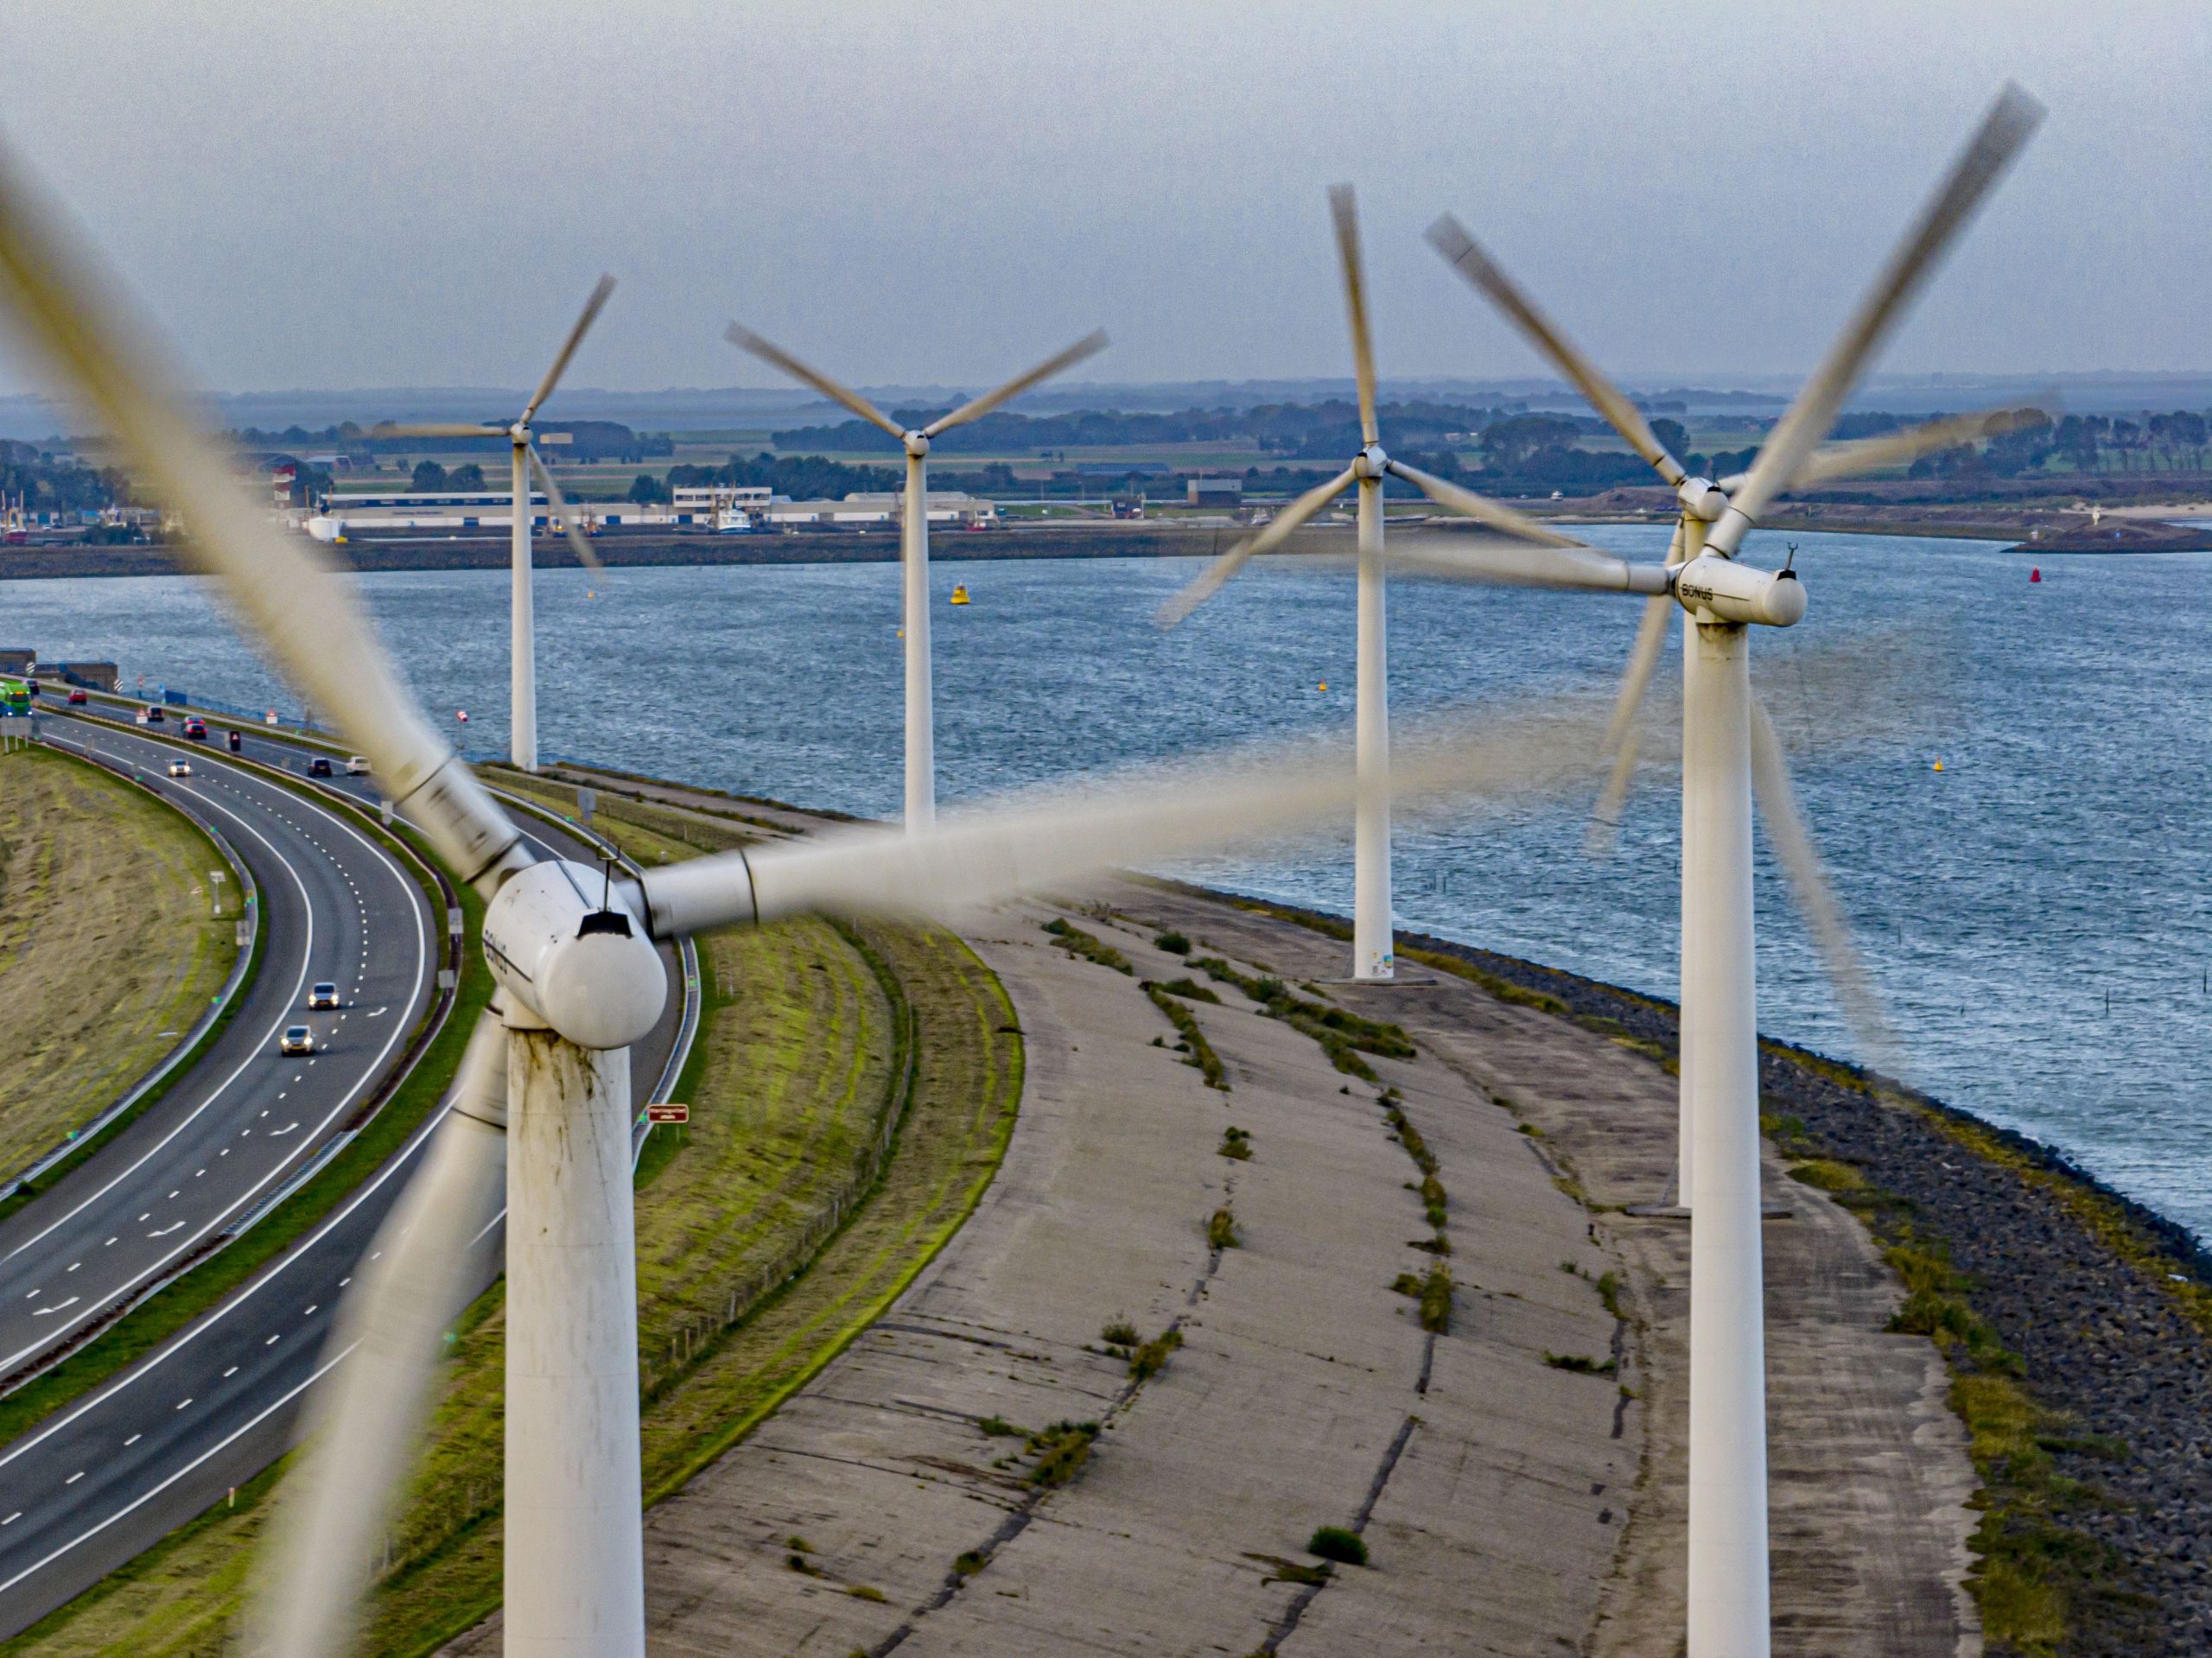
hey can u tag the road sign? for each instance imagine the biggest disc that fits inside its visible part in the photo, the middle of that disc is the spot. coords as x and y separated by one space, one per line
668 1114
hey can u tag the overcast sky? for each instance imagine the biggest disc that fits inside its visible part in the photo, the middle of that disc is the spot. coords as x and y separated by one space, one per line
422 194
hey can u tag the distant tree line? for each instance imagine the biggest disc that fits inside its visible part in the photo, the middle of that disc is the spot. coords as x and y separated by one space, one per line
46 485
588 439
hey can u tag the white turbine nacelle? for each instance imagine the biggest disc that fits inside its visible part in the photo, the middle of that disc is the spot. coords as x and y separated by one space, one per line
588 971
917 444
1701 499
1716 589
1370 462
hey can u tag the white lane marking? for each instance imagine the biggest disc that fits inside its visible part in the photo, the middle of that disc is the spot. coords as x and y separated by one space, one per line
110 1244
33 1296
166 1231
278 1134
139 1501
12 1518
228 1374
416 907
133 1438
74 1477
75 1265
272 1341
309 1313
182 1403
40 1312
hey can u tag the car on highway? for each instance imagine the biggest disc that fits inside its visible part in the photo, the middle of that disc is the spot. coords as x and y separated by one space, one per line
180 768
323 996
298 1038
195 729
319 767
358 766
235 741
78 699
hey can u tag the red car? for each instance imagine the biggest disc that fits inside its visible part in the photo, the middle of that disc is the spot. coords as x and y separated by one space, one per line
196 729
78 699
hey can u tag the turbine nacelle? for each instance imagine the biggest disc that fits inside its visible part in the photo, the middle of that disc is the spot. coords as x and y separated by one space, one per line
1717 589
562 940
1371 464
1701 499
917 442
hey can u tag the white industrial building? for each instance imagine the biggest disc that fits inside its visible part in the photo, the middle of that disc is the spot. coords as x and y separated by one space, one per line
725 509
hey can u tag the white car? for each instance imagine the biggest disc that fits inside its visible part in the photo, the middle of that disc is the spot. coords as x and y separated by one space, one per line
180 768
298 1038
358 766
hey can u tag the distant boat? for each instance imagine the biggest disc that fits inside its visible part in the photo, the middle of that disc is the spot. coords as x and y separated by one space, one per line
959 595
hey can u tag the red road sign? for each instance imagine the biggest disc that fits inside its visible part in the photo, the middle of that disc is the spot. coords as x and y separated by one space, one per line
668 1114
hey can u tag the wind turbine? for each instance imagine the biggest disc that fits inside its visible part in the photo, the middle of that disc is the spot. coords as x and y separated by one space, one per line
914 538
526 462
1729 751
1374 953
545 1085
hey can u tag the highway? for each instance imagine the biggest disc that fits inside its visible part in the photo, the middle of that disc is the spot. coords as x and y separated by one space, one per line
111 1474
337 907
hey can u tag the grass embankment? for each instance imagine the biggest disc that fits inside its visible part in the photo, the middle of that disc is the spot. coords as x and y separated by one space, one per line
769 1233
113 941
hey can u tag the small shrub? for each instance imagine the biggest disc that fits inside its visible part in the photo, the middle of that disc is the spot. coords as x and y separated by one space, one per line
1436 1299
798 1545
1173 943
1335 1543
1609 1292
1220 1230
862 1592
1194 1041
1407 1284
1236 1143
1120 1333
1191 990
1579 1364
998 1428
968 1562
1090 946
1063 1449
1150 1360
801 1564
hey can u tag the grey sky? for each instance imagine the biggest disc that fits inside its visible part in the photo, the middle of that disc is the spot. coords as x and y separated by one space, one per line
417 193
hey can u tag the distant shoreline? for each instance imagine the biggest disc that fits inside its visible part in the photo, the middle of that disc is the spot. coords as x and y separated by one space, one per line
2035 530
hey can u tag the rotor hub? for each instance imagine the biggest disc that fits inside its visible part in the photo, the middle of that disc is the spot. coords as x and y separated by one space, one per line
1371 464
917 444
519 431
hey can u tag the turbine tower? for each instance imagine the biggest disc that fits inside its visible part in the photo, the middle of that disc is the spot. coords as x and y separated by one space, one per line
914 530
1730 753
525 461
1374 952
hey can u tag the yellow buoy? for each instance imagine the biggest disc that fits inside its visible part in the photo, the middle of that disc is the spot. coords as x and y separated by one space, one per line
1939 766
1324 685
959 595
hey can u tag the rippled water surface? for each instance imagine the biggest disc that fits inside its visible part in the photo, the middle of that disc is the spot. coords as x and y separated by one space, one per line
2058 857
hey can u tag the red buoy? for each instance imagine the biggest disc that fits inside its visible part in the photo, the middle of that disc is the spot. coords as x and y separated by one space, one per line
2034 575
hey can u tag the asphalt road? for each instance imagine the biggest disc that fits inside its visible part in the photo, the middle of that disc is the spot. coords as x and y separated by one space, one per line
109 1475
337 907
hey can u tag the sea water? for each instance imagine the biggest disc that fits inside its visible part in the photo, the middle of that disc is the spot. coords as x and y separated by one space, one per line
2033 911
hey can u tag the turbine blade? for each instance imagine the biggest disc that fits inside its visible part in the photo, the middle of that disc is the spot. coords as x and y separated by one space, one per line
1513 564
1046 841
1808 881
1090 345
366 1418
1449 238
1277 530
1496 514
1621 733
304 608
776 356
1344 210
1863 455
2009 123
593 306
559 504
